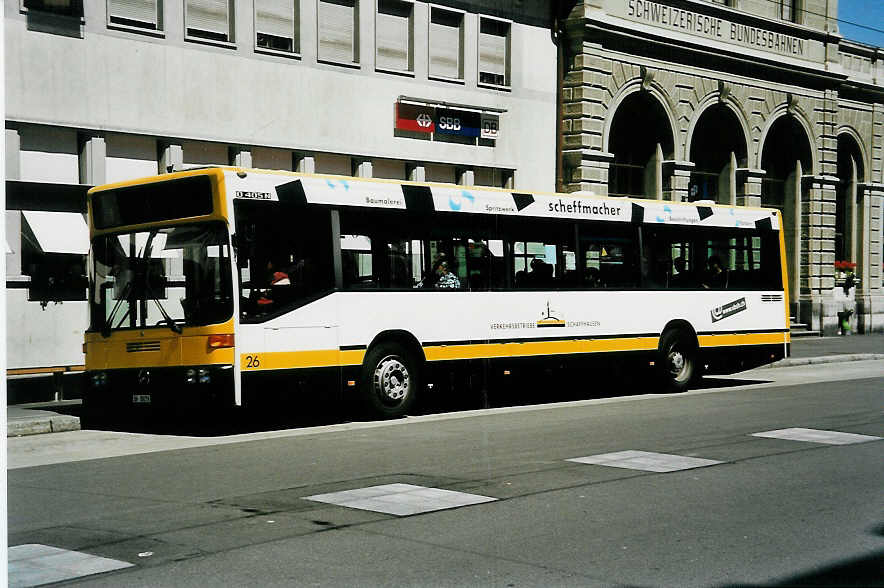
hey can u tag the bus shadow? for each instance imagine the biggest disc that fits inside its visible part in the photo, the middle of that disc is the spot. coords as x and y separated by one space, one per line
535 388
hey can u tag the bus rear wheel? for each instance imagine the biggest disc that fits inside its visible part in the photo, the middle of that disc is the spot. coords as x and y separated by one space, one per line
390 377
677 360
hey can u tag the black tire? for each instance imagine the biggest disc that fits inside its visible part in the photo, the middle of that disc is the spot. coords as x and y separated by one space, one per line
677 364
390 381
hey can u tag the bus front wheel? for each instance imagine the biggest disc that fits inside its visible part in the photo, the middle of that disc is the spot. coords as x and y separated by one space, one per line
389 380
677 361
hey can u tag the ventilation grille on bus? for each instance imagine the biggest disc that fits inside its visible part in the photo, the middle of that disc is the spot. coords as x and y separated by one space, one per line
771 297
142 346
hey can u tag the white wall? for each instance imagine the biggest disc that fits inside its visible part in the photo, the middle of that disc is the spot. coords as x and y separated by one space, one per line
49 154
38 337
126 82
129 157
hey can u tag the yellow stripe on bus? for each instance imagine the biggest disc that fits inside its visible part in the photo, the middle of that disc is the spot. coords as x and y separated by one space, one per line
533 348
278 360
741 339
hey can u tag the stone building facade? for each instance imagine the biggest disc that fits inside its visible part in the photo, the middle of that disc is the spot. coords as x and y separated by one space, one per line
745 102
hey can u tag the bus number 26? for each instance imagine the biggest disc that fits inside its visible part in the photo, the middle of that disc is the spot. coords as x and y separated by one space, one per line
253 361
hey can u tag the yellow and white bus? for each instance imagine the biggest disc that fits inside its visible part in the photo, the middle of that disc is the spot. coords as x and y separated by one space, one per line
226 286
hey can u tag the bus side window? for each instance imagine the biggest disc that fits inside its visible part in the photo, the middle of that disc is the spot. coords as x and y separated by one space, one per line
357 261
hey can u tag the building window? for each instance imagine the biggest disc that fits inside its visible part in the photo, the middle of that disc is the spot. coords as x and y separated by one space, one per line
62 7
339 31
789 10
494 52
209 19
446 44
277 24
143 14
395 35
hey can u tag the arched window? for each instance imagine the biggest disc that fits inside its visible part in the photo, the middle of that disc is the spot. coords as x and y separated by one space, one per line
848 236
718 147
640 139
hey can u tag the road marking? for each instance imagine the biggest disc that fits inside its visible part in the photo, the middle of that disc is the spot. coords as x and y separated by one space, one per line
33 564
646 460
400 499
817 436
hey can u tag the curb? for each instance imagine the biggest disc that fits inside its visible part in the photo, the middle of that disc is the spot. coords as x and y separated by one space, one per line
38 426
794 361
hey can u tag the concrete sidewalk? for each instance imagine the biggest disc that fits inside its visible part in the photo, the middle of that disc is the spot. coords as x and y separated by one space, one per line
43 418
23 420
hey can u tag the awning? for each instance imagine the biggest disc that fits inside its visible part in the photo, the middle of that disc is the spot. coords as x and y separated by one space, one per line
59 232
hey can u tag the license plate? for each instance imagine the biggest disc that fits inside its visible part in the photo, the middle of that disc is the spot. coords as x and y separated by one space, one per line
141 398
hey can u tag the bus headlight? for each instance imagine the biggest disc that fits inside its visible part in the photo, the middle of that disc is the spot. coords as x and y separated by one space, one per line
190 376
204 376
99 380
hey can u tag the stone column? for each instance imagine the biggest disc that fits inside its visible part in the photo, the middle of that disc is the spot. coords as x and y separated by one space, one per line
676 180
416 172
584 103
362 168
870 292
727 182
587 171
13 154
306 164
240 157
171 158
93 160
466 177
748 186
13 217
817 299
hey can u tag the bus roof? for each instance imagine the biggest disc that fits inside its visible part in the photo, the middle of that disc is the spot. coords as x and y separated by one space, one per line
277 185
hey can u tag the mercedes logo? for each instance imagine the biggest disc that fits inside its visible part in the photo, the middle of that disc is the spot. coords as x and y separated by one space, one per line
144 377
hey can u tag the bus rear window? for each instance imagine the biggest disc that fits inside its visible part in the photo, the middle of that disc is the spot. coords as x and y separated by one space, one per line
148 203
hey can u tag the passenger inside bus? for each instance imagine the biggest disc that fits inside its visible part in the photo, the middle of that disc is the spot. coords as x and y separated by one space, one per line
716 277
682 278
444 278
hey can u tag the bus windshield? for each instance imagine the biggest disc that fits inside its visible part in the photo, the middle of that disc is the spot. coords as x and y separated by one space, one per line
173 276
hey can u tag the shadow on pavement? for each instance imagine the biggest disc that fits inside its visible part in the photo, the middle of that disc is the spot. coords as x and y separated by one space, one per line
863 572
536 387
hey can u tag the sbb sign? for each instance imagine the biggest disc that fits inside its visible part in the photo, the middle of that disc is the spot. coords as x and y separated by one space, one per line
411 117
426 119
457 122
490 126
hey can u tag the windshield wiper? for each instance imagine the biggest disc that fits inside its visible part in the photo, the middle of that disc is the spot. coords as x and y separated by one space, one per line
108 324
149 291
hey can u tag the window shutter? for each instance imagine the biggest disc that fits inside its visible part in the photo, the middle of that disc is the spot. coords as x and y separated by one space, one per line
137 10
492 48
275 17
393 35
445 51
337 19
209 16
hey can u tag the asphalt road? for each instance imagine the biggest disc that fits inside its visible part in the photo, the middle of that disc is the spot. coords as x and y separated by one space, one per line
232 510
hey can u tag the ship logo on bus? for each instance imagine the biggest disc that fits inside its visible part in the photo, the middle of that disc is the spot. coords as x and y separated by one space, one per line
548 320
729 309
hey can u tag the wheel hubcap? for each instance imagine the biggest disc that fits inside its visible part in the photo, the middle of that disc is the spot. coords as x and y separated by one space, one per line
676 363
391 379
